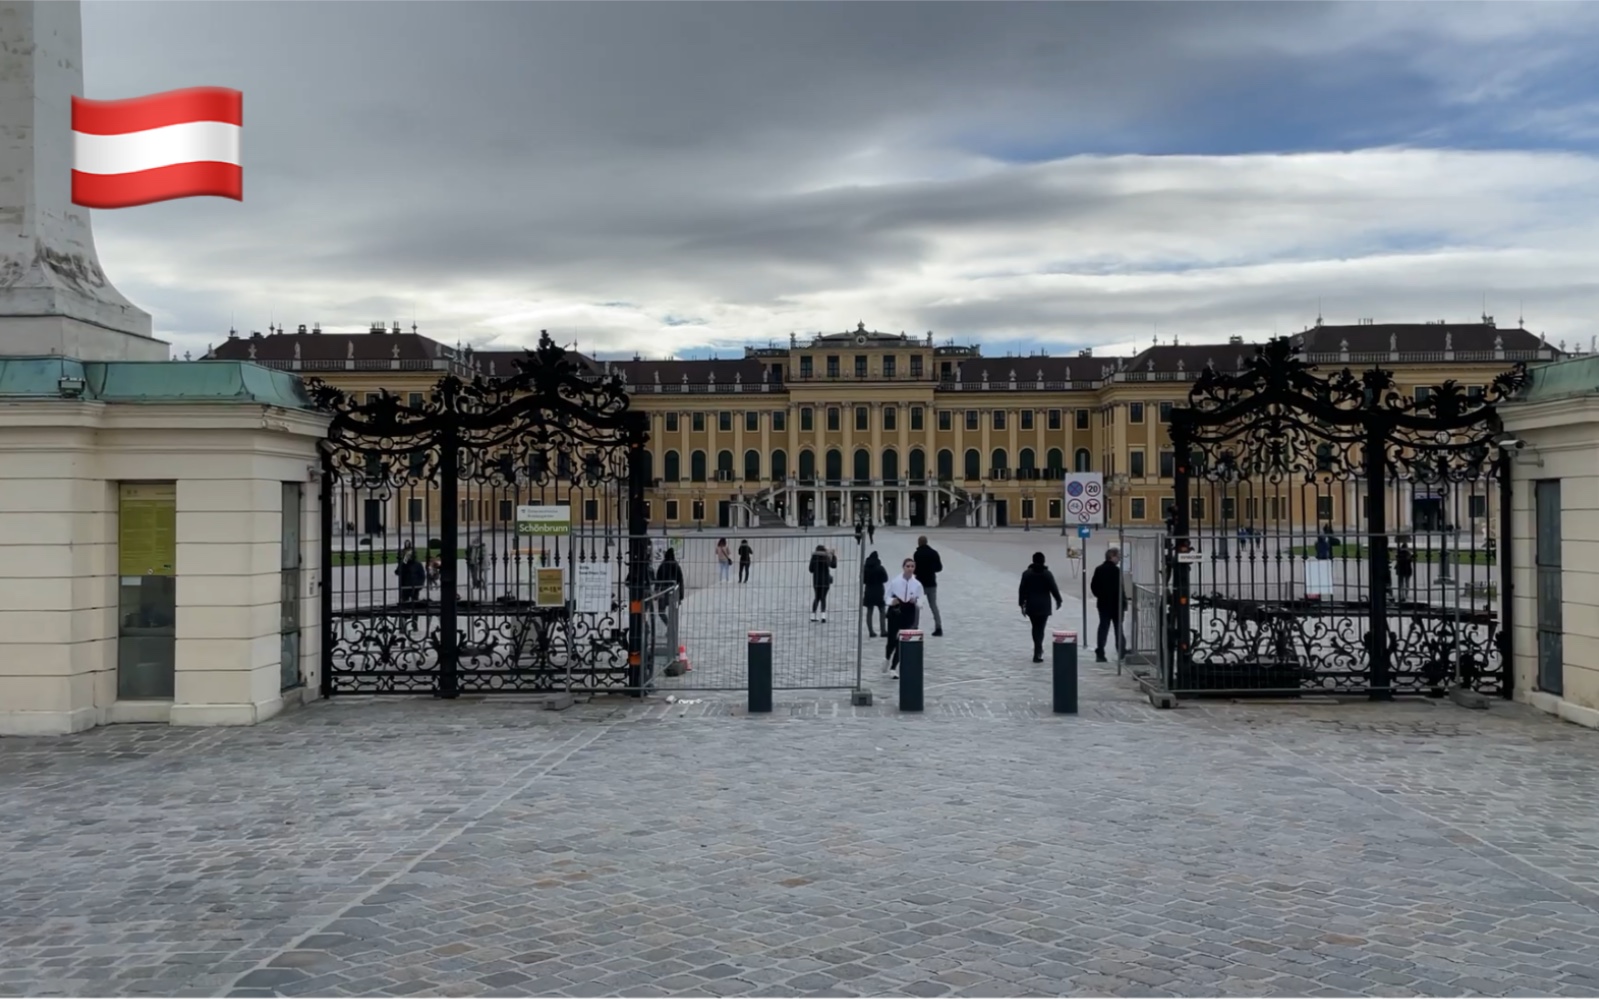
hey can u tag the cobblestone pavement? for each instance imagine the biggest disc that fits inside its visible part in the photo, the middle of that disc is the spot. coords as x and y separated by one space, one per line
984 847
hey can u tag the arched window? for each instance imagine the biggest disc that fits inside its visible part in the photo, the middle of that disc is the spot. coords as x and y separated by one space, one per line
863 465
1055 462
974 465
890 465
696 466
779 465
1083 461
946 465
807 465
1001 459
1024 461
724 465
918 464
752 466
835 465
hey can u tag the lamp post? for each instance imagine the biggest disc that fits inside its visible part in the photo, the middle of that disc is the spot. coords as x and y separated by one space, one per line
1027 510
1119 486
699 509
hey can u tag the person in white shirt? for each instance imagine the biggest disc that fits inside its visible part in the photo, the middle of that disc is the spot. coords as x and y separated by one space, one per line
904 593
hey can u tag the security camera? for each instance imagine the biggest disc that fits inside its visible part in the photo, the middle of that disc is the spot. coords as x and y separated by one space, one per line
1510 442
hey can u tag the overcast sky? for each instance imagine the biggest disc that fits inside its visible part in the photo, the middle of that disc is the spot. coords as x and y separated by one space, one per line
671 178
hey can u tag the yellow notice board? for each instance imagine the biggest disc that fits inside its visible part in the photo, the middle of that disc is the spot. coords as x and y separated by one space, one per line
147 520
551 589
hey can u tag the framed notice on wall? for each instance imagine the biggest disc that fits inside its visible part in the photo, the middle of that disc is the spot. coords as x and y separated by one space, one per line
147 536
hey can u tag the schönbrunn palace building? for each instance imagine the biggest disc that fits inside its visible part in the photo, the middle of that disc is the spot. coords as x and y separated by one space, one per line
861 423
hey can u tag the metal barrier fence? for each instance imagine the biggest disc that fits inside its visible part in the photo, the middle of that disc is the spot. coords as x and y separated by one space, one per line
700 637
1145 630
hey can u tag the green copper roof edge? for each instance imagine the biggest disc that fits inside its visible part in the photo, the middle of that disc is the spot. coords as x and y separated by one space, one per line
1571 378
149 382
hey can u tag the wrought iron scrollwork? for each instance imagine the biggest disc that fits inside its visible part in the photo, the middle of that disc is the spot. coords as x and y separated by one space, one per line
449 472
1350 530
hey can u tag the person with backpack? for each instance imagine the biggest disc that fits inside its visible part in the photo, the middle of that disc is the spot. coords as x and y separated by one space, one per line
874 577
745 553
1404 568
1033 596
823 561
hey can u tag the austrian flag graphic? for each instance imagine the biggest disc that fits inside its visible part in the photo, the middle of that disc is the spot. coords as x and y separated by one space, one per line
180 144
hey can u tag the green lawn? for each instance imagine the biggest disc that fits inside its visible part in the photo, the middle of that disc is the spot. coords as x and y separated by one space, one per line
381 556
1468 557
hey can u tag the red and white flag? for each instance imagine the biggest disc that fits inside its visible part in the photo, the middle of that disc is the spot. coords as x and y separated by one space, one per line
180 144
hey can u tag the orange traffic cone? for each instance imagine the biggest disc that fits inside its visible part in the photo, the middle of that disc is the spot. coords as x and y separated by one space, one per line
682 658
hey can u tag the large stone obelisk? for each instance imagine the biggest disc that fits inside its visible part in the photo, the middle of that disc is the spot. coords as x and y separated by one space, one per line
54 297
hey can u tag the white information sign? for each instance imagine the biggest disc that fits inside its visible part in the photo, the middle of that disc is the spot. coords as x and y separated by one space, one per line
1085 498
595 588
1318 578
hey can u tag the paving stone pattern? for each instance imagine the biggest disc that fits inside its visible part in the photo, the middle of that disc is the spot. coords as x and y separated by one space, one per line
985 847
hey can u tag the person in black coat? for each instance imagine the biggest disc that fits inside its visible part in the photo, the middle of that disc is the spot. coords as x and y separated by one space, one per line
1106 586
1033 596
413 575
873 578
745 553
928 566
823 561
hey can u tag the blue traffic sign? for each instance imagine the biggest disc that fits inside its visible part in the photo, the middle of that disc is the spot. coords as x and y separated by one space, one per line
1083 531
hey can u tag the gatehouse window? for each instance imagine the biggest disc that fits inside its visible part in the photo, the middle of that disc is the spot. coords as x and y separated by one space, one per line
413 510
671 509
1054 509
591 510
1324 508
1137 505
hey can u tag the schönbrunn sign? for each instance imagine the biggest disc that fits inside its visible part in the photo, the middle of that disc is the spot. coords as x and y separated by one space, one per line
544 520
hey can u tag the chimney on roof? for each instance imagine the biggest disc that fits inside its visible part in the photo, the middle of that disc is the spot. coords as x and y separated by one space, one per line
300 330
377 329
233 334
1235 340
1086 352
396 327
316 329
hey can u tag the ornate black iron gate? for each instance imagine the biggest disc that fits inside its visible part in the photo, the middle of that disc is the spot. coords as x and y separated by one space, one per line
1330 534
432 562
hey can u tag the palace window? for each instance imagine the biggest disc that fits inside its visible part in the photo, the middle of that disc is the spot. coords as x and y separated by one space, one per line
724 422
999 419
832 367
971 419
591 509
752 422
890 418
1165 412
832 417
671 509
696 466
1054 509
805 367
1476 507
699 509
779 465
1196 508
671 423
1082 460
1055 461
1135 412
1027 509
413 510
1168 464
699 423
916 365
945 421
752 466
1137 508
1135 464
416 400
863 418
1229 508
1324 508
1054 419
724 466
916 418
779 421
671 467
1027 419
974 465
860 366
807 418
1082 419
888 366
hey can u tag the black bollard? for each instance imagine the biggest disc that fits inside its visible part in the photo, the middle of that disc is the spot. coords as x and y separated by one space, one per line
910 671
760 681
1065 673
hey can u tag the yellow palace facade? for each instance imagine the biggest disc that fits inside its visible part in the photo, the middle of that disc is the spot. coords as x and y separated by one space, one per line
837 427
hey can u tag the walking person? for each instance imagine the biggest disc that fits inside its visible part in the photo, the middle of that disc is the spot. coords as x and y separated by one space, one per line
1324 543
669 583
1109 601
1033 595
860 531
823 561
745 553
474 564
928 566
871 532
1404 568
905 593
724 559
874 577
413 575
